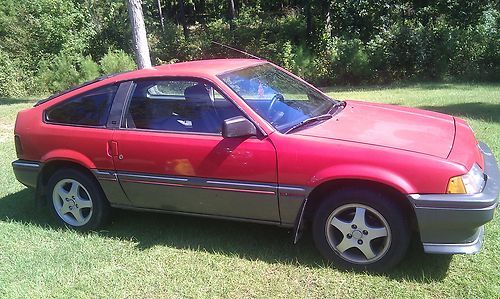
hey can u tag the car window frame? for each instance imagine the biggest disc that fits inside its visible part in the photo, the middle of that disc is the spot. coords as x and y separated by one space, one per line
80 94
133 84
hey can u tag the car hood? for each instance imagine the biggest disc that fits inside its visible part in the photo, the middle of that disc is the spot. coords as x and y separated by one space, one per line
391 126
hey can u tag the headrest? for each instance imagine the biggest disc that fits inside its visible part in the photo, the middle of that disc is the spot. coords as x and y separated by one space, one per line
198 94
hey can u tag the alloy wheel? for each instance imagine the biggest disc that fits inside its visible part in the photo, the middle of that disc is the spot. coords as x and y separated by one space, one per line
72 202
358 233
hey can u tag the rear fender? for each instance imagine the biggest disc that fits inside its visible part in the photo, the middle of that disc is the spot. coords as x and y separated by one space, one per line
59 155
68 155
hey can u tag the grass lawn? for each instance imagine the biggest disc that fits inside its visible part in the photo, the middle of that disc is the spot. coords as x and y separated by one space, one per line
155 255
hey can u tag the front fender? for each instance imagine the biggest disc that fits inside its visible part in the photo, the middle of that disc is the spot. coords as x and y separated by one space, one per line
351 172
362 172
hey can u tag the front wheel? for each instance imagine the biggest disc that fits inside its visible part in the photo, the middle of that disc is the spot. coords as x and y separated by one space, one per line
361 230
76 200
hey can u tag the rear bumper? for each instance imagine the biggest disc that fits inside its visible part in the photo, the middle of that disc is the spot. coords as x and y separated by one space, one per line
453 223
27 172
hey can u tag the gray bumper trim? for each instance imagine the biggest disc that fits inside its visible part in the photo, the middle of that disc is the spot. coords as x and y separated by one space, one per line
465 248
27 172
453 223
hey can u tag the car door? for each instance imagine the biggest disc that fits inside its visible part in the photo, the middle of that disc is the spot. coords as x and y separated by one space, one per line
170 154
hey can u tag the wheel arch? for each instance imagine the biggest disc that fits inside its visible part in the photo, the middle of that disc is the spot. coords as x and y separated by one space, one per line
69 156
318 195
49 168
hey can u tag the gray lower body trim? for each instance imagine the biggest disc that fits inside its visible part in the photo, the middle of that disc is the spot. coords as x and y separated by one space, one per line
198 195
198 183
111 187
291 202
133 208
27 172
452 223
231 199
466 248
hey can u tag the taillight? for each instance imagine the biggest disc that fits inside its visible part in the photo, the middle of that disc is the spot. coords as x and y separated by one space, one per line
19 147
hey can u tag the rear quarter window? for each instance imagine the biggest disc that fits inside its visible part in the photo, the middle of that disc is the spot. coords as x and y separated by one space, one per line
88 109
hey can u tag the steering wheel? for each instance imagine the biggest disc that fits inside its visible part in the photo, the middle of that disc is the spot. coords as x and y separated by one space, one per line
271 114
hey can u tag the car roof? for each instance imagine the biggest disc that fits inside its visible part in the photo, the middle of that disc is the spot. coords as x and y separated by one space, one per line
197 68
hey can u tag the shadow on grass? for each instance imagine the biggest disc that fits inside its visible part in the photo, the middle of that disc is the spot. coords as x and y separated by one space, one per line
12 101
243 240
482 111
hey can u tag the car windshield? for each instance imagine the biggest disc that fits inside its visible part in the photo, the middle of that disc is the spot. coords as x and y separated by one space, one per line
282 100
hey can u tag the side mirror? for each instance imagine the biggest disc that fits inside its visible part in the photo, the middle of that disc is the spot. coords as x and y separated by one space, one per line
238 126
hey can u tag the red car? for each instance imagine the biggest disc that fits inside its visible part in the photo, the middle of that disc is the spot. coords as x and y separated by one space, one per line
243 139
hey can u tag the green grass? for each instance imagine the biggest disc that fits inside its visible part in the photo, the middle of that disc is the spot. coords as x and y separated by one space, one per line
155 255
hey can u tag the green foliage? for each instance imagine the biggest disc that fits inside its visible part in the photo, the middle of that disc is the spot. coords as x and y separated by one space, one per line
57 74
116 61
67 70
47 45
33 30
88 69
12 78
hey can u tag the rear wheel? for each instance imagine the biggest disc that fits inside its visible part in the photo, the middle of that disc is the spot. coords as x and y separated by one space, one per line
76 200
361 230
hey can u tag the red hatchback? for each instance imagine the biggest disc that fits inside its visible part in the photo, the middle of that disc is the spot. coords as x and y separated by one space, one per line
243 139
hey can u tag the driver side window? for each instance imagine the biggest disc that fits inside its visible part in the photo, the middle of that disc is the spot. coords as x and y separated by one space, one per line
177 106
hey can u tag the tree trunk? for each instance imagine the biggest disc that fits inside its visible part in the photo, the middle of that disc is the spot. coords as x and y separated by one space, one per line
232 14
328 23
139 39
202 6
328 18
161 15
309 20
182 17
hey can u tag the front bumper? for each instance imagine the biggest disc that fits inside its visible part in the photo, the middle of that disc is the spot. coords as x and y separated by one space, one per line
453 223
27 172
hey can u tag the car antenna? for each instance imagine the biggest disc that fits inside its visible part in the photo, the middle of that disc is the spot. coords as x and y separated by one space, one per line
237 50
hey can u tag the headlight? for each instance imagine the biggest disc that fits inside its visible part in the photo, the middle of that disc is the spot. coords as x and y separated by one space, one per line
469 183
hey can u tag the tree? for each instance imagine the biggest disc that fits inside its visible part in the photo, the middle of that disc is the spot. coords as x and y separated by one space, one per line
328 19
161 15
309 20
182 16
232 14
139 39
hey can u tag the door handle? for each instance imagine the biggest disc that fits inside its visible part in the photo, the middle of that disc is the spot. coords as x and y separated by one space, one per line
113 149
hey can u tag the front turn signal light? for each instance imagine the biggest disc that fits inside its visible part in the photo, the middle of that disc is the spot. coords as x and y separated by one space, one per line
470 183
456 186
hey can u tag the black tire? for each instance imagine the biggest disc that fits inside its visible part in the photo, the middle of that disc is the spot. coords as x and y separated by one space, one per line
390 249
95 216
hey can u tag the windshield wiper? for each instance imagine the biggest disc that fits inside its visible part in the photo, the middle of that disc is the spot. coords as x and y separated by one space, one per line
308 121
337 107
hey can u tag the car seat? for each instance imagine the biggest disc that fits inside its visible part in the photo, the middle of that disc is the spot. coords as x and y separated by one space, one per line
203 116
